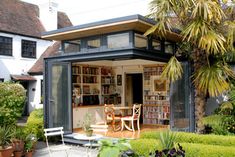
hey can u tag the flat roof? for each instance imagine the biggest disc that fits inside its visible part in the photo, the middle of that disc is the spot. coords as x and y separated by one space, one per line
133 22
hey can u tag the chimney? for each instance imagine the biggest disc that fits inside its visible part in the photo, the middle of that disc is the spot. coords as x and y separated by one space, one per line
48 15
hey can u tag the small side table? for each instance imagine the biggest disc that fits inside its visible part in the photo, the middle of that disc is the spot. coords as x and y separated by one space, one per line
89 139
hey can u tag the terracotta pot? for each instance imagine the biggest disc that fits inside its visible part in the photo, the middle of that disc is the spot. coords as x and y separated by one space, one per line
7 152
29 154
18 154
18 145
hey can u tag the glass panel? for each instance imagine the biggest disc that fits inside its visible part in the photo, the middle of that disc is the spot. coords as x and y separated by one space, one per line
72 46
156 44
180 103
59 104
118 40
140 41
94 43
168 47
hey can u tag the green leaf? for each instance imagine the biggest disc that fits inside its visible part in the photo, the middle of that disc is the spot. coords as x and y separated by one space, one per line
173 70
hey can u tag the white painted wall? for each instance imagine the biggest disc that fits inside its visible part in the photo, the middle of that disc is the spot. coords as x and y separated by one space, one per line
18 65
48 15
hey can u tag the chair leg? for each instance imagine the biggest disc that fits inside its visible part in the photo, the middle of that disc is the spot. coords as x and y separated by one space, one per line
132 123
138 124
122 125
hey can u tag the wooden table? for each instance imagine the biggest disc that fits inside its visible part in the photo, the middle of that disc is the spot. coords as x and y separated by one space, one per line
122 109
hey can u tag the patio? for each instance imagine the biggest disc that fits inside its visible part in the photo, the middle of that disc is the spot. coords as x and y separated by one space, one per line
127 134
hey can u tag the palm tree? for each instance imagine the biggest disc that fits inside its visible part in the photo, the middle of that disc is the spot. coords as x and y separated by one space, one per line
207 26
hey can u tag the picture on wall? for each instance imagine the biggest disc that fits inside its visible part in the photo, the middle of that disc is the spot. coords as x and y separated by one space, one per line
119 80
160 85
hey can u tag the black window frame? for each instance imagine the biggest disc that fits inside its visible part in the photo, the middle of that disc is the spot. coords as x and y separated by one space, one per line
23 49
6 44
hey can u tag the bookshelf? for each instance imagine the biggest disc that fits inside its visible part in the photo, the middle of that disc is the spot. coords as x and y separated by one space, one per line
156 108
93 85
85 81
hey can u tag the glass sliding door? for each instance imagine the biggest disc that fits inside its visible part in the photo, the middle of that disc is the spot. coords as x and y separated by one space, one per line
181 105
59 99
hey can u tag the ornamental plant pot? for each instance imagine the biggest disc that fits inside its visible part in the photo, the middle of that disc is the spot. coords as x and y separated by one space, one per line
89 133
18 145
6 152
29 154
18 153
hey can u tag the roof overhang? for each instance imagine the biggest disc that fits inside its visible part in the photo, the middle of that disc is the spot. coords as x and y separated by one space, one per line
124 54
23 78
134 22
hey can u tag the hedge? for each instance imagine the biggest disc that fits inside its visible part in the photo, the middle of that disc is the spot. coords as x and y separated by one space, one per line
34 123
143 147
202 150
196 138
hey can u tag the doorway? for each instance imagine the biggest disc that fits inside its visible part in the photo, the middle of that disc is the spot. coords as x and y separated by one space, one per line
134 90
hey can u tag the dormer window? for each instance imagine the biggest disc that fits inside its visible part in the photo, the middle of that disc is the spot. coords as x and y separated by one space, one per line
28 49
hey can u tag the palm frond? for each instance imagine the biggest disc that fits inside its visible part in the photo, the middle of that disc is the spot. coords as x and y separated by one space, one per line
226 105
208 11
173 70
212 43
212 80
194 30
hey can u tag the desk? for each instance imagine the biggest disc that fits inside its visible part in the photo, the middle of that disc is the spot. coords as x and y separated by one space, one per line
90 139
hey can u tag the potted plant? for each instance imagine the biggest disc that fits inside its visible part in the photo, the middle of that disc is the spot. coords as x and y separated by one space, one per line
6 133
18 142
87 125
30 144
28 148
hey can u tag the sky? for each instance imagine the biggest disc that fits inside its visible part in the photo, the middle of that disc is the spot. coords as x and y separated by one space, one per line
86 11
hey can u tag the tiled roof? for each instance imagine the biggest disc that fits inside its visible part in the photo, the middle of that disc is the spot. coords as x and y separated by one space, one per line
23 78
20 18
37 68
63 20
23 18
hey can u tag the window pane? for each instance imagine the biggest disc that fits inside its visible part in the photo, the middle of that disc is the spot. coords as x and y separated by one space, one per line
156 44
94 43
140 41
72 46
5 46
118 40
168 47
28 49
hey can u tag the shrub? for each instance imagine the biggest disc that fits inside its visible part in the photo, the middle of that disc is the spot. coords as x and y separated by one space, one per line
201 150
34 123
12 98
143 147
196 138
111 148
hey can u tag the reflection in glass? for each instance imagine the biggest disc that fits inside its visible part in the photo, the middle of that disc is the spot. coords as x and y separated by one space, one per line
118 40
180 102
168 47
93 43
72 46
140 41
156 44
60 111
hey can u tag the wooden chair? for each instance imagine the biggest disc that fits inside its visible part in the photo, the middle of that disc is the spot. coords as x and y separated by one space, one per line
111 118
134 117
56 132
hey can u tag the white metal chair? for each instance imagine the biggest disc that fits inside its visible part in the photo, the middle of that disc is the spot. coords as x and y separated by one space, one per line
56 132
134 117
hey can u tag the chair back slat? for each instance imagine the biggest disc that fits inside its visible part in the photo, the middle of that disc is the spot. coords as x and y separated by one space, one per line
136 111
